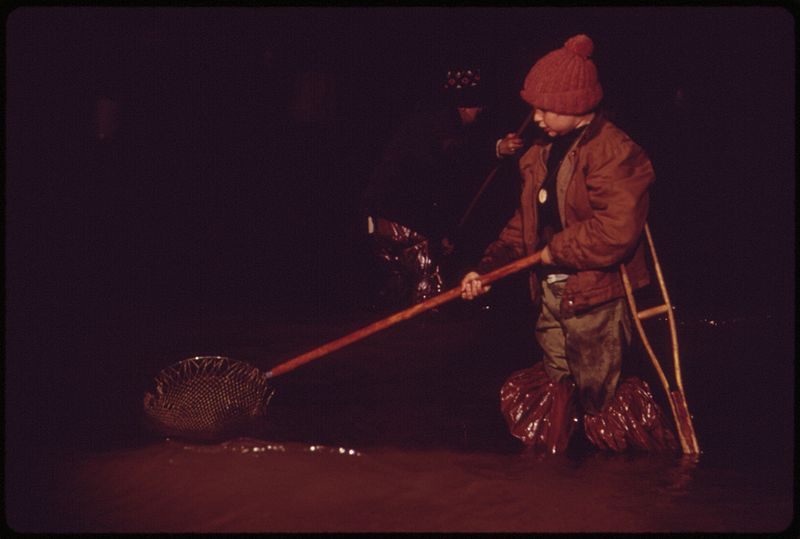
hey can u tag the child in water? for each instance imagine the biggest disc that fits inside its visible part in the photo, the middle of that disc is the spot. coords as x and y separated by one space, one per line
583 206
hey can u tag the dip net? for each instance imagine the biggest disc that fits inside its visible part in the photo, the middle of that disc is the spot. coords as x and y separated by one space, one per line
207 398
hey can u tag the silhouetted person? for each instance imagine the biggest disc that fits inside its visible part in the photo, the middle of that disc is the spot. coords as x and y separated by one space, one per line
422 185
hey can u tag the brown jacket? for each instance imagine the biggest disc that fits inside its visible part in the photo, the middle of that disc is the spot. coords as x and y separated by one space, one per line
602 188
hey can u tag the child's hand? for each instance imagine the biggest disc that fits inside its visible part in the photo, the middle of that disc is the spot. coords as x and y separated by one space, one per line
471 286
509 144
547 258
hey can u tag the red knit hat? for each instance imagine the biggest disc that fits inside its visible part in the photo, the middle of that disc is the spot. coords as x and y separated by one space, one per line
565 80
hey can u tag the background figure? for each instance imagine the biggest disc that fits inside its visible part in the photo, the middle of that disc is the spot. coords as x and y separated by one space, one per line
423 183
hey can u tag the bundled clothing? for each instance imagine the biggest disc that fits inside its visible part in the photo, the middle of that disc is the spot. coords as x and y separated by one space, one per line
601 189
585 199
590 210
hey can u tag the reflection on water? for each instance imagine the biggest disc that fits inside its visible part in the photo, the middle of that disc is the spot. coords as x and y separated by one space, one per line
255 447
252 485
403 433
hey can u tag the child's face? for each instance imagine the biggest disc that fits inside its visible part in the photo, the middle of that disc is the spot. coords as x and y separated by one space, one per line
555 124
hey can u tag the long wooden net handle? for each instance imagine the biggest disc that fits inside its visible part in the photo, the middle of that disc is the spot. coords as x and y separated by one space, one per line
426 305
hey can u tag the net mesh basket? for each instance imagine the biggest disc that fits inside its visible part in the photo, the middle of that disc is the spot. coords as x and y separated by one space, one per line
207 398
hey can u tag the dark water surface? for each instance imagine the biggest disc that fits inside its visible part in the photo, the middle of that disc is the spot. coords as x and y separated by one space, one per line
402 432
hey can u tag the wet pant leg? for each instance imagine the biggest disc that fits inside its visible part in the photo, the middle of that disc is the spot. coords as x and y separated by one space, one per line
588 346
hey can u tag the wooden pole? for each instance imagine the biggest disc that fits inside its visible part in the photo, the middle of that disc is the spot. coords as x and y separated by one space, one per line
435 301
490 176
676 397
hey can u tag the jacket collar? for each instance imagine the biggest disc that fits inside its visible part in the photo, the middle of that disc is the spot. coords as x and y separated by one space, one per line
594 127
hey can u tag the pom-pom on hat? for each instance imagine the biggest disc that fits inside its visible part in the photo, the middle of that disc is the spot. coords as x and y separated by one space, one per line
565 80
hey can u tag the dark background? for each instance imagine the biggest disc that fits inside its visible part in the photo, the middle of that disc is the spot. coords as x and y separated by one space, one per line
246 137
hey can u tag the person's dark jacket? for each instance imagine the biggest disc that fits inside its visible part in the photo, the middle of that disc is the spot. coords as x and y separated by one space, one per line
429 171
